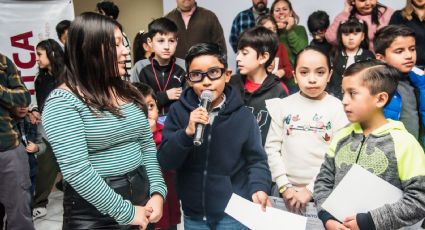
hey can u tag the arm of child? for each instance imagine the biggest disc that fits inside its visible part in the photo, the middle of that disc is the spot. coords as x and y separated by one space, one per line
324 184
410 209
176 143
259 176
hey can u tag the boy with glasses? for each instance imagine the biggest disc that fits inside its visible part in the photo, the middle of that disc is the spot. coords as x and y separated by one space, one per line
230 159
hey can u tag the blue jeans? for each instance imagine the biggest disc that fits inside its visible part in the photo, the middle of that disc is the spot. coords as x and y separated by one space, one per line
226 223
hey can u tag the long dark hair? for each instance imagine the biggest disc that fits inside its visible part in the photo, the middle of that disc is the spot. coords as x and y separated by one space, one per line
91 69
376 13
55 55
352 25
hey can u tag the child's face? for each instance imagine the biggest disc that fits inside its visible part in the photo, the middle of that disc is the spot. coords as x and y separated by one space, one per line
163 45
152 108
401 54
359 104
352 41
270 25
312 74
319 35
148 49
42 59
211 65
122 52
248 62
20 112
364 7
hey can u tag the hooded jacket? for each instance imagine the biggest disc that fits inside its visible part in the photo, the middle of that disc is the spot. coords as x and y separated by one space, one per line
143 72
230 160
256 101
389 152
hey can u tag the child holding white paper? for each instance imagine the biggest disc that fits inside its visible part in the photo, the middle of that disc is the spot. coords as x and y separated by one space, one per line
380 145
301 129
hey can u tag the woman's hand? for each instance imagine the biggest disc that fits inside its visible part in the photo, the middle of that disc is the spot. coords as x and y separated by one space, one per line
262 198
155 203
141 216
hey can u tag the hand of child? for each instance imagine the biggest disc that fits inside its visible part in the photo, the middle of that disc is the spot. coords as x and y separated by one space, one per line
141 216
288 198
31 147
351 223
156 203
303 196
199 115
280 73
35 117
261 197
174 93
348 6
334 225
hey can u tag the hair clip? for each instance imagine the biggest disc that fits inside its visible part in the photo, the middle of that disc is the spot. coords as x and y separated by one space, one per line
141 32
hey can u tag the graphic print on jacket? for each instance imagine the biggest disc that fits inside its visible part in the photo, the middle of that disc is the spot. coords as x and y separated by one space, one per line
256 101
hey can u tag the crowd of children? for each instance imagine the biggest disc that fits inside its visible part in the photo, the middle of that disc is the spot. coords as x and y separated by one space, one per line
358 99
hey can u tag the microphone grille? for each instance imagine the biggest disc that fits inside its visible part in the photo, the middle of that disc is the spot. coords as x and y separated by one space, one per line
207 94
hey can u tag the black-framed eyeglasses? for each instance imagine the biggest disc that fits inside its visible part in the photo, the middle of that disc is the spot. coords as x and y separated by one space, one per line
213 73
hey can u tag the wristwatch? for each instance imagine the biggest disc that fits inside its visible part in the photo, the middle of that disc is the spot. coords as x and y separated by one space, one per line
285 187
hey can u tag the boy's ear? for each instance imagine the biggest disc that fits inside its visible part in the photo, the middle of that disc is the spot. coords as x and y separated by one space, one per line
380 57
227 75
381 99
263 58
149 41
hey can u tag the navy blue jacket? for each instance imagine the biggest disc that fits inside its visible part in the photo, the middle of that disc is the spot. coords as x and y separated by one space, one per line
230 160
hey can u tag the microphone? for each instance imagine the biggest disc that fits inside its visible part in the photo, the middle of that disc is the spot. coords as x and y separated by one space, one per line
206 99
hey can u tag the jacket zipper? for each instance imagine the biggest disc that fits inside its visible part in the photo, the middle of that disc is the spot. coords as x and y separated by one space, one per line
361 148
204 180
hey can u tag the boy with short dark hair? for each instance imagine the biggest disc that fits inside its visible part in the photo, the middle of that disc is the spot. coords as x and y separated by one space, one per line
162 71
208 174
380 145
257 48
62 30
318 23
396 45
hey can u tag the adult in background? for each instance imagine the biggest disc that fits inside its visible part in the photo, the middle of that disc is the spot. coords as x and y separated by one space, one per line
62 31
96 125
195 25
292 35
110 9
413 16
14 168
245 20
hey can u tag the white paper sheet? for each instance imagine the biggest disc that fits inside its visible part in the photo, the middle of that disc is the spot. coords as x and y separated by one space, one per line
359 192
252 216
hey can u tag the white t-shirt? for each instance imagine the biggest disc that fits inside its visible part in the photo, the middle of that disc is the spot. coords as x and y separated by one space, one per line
299 135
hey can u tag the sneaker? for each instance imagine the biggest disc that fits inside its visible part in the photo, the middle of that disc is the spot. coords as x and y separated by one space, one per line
39 212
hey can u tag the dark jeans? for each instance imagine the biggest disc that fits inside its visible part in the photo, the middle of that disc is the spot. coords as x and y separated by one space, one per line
80 214
15 188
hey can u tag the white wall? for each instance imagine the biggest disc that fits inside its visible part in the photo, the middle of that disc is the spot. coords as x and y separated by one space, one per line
226 10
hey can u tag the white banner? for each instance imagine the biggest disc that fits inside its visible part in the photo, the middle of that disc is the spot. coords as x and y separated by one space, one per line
25 23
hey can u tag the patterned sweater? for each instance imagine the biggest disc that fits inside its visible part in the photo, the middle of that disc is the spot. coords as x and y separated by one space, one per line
389 152
89 148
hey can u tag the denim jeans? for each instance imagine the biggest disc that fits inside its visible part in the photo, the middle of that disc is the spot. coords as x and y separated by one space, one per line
227 223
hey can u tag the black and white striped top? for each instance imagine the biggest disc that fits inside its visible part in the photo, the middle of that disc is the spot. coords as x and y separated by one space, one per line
90 147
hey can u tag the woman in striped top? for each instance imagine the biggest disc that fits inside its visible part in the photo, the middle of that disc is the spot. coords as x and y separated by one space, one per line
100 135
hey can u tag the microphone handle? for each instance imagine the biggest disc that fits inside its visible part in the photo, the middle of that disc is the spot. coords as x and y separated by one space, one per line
199 134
